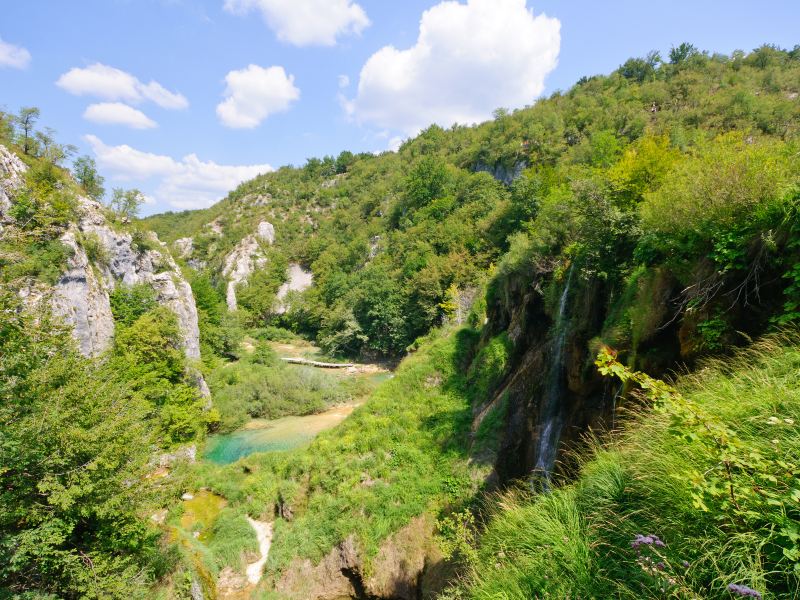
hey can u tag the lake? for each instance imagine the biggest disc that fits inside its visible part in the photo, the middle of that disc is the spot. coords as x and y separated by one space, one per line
261 435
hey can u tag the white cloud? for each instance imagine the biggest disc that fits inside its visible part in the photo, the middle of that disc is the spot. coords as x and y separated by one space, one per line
306 22
344 81
109 83
186 183
469 59
395 143
15 57
116 113
254 93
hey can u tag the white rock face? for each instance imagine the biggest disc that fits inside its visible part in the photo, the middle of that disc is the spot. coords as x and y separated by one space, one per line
244 259
12 171
82 300
299 280
266 232
81 295
184 246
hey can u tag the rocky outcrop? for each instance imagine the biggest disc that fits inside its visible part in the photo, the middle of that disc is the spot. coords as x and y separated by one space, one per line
408 566
551 393
12 170
245 258
81 298
501 172
184 246
300 279
81 294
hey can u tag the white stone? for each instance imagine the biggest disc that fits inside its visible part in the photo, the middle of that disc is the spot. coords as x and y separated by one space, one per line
184 246
244 259
299 280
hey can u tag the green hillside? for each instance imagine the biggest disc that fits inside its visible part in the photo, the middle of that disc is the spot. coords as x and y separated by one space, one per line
532 282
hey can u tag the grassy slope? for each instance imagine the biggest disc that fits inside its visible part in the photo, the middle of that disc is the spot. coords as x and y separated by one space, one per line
575 542
409 442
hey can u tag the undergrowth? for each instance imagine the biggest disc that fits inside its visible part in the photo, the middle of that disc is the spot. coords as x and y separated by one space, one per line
652 514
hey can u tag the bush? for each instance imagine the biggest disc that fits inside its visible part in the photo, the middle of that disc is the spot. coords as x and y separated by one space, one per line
729 185
129 302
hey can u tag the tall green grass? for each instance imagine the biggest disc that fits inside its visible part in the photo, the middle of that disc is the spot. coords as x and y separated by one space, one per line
576 541
403 453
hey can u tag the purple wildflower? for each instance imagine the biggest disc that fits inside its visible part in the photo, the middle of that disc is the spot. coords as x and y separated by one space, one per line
661 566
647 540
743 591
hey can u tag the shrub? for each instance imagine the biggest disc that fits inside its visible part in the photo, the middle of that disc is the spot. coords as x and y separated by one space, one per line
129 302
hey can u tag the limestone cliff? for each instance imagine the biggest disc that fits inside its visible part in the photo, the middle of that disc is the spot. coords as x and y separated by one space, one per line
81 294
245 258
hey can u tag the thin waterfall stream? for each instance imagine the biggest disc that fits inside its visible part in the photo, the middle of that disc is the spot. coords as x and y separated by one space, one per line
550 414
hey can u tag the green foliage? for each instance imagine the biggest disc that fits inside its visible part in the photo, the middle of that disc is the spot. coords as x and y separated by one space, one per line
747 485
129 302
84 169
126 203
42 260
96 251
489 368
682 53
622 171
220 332
148 355
730 183
74 451
46 203
259 385
712 471
231 536
257 295
457 533
26 120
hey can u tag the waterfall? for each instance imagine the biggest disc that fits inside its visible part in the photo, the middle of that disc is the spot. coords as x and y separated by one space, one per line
550 415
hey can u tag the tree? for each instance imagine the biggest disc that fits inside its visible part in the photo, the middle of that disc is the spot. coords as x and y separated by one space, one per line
85 172
74 451
126 203
426 182
26 119
680 54
343 161
641 69
50 150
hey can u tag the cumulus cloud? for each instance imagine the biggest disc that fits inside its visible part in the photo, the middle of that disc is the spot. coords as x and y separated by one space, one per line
254 93
117 113
186 183
469 59
109 83
306 22
344 81
14 57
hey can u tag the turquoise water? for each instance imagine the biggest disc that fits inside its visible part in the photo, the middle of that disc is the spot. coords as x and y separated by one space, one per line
271 436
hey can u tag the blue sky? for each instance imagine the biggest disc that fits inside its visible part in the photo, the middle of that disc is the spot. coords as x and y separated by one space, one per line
322 78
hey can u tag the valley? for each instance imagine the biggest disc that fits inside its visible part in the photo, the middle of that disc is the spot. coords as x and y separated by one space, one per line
554 354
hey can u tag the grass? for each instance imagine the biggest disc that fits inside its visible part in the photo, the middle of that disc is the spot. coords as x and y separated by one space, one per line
576 541
403 453
260 385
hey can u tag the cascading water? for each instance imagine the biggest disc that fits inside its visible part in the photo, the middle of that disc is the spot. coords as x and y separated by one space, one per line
550 415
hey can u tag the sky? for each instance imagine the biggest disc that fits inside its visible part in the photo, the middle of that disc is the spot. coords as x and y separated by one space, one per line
184 99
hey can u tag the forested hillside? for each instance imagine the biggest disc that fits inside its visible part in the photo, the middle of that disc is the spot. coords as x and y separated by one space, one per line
537 280
656 165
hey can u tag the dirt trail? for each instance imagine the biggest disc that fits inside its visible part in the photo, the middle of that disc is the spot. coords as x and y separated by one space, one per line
263 531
